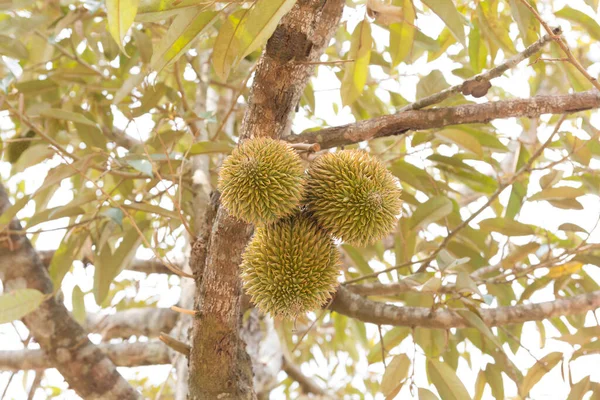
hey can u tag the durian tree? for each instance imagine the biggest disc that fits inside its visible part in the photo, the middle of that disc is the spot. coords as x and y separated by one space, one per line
359 199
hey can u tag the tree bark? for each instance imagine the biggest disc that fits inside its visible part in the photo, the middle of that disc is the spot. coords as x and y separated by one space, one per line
83 365
414 120
219 365
358 307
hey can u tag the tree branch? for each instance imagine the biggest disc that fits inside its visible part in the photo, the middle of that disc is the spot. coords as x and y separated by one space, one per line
148 322
403 122
481 81
137 265
87 370
121 354
356 306
307 384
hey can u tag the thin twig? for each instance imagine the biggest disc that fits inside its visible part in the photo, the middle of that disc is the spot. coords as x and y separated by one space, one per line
488 75
563 45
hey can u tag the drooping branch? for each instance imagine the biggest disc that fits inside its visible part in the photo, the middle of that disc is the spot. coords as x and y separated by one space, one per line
356 306
219 365
87 369
121 354
403 122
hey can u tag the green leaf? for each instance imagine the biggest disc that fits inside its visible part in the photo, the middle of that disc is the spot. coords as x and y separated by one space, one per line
570 227
211 147
13 48
445 381
16 304
538 371
357 258
479 385
462 140
579 389
465 284
226 47
493 29
402 34
591 26
32 156
120 14
11 212
109 265
506 227
144 166
115 214
357 71
68 210
152 209
431 84
65 115
558 193
143 44
445 260
259 24
92 136
152 95
186 27
493 375
477 50
391 339
432 210
446 10
551 178
157 10
426 394
476 322
394 374
518 192
63 257
526 21
77 297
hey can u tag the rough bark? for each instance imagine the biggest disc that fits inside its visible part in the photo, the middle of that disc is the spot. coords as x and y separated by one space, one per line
219 365
121 354
358 307
83 365
402 122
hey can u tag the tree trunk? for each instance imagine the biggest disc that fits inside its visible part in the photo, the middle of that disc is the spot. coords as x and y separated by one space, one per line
219 365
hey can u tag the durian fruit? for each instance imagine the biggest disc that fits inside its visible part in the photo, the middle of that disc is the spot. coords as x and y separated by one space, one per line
290 267
261 181
353 196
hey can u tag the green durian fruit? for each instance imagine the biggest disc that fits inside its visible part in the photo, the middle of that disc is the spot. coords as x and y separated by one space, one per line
18 147
261 181
353 196
291 267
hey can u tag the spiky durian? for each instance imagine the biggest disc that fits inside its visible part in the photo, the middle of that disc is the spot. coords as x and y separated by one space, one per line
261 181
353 196
290 267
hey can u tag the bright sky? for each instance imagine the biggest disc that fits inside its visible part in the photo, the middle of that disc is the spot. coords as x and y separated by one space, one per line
166 291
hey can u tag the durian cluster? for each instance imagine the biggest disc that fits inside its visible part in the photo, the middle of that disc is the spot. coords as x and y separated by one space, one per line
291 265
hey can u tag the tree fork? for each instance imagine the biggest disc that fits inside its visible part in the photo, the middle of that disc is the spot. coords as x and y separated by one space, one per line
219 365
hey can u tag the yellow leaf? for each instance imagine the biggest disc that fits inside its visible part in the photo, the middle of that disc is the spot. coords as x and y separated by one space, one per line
565 269
357 70
121 14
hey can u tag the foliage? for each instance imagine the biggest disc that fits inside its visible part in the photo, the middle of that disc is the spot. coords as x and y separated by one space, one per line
112 105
